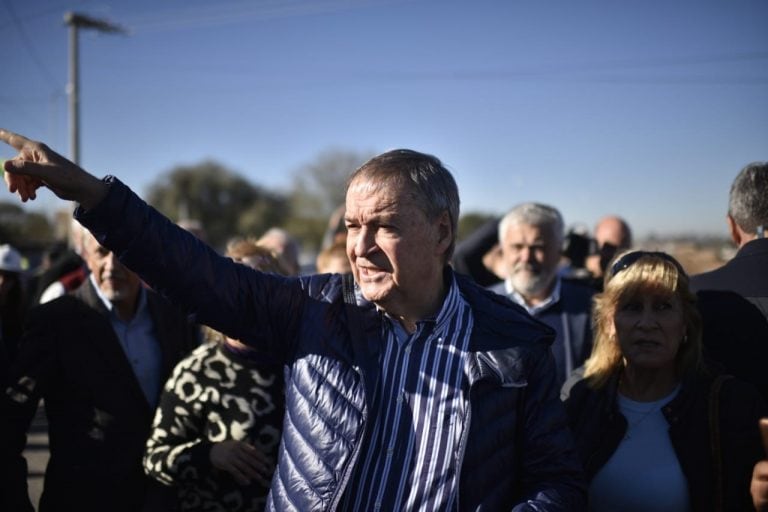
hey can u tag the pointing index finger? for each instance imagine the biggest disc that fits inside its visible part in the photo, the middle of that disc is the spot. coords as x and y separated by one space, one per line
14 140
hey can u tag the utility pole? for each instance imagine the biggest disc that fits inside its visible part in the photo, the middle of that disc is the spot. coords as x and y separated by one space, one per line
76 21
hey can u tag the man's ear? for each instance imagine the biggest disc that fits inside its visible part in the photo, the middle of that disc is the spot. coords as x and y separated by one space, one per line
444 232
736 234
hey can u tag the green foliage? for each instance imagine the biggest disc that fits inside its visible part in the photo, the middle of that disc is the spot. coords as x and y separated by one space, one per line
228 204
309 231
319 186
24 229
470 221
225 203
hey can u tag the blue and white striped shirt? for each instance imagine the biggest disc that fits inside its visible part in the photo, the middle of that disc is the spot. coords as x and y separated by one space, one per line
419 406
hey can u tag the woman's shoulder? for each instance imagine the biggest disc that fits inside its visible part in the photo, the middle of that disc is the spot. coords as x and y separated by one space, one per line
711 378
579 386
573 385
739 395
581 397
192 362
733 396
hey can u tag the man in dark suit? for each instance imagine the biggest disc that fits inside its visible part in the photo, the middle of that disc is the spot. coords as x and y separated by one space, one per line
733 299
98 358
531 238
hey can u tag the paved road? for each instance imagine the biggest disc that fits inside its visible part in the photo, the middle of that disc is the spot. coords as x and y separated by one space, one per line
37 455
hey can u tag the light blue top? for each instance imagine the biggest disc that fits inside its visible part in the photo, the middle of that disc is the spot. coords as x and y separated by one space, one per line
140 344
643 474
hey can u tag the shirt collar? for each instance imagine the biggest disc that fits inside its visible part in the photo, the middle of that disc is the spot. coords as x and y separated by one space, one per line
108 304
450 307
550 301
451 303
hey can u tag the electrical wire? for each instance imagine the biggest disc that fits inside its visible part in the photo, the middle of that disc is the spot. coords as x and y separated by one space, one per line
217 14
29 46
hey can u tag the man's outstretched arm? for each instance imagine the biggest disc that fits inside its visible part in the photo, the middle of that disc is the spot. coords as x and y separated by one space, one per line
37 165
252 306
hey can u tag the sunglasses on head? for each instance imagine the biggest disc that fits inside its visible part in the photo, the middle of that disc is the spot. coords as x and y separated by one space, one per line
630 258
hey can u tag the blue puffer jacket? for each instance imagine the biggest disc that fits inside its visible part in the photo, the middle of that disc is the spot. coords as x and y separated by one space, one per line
517 452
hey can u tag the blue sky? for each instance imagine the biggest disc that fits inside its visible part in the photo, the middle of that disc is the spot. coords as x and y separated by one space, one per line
643 109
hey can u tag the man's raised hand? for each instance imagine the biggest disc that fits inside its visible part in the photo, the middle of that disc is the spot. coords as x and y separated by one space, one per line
37 165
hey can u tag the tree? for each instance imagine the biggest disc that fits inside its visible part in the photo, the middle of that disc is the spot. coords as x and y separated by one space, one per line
24 229
224 202
471 221
319 187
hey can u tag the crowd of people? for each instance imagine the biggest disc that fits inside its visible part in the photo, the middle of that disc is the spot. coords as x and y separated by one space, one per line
407 372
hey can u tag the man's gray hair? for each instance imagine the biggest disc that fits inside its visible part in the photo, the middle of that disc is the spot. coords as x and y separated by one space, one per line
534 214
748 202
424 176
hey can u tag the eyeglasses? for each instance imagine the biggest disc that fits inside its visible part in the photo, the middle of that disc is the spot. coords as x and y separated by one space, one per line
629 259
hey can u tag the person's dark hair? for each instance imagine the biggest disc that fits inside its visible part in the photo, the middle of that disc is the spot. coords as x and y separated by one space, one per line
424 176
748 202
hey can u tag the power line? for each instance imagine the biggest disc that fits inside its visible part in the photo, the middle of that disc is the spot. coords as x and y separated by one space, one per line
44 12
29 46
586 68
218 14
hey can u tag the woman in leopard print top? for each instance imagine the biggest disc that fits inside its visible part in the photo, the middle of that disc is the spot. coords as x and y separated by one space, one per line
217 427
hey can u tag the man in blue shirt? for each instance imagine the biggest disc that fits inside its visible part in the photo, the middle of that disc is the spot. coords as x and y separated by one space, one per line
531 239
98 359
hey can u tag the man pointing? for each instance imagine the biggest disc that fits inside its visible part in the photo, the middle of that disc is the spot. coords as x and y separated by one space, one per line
412 389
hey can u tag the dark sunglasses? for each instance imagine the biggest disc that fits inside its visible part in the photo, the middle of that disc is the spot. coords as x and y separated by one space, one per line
630 258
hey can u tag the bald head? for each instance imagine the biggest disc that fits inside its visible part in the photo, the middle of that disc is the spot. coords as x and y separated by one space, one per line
612 235
615 231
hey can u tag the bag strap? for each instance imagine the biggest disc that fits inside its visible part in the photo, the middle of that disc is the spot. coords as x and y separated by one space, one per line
714 440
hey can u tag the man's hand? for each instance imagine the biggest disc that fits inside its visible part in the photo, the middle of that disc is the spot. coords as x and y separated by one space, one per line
759 486
37 165
242 461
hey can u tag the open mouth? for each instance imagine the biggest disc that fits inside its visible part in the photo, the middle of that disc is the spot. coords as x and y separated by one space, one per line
370 271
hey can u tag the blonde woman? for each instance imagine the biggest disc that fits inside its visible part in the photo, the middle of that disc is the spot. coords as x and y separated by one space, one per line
657 430
217 428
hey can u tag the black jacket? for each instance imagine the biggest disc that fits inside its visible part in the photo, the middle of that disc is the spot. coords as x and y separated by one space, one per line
571 319
745 274
599 427
733 301
98 417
